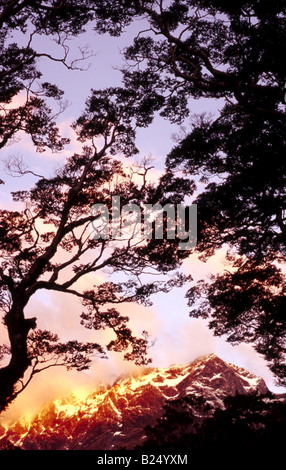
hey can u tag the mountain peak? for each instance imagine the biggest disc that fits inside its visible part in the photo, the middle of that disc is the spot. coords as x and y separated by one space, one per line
112 417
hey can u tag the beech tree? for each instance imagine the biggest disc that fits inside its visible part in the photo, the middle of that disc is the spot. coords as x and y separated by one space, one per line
229 51
50 238
204 48
27 106
242 209
54 255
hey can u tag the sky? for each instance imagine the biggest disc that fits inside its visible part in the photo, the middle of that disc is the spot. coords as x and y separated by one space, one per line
178 338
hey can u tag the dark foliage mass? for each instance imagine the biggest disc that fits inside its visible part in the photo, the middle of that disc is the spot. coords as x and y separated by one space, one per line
241 159
230 51
247 426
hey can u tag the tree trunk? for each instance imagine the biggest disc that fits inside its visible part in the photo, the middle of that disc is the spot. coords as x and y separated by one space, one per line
18 329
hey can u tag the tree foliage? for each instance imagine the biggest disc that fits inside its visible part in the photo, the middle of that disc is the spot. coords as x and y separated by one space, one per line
246 426
229 51
211 49
243 208
49 245
26 99
57 257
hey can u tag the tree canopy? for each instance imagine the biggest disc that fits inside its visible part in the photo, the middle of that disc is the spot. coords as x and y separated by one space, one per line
229 51
19 71
246 425
242 208
56 257
49 243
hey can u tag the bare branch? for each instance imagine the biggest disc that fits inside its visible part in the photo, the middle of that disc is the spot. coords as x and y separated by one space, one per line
15 166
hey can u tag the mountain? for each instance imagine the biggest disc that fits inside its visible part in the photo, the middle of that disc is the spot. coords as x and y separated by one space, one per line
115 417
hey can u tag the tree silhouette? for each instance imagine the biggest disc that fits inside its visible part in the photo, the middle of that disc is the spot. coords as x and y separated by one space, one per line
50 238
242 207
177 427
50 245
204 48
229 51
246 425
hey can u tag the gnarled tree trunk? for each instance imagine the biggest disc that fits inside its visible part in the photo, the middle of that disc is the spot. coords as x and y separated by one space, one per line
18 328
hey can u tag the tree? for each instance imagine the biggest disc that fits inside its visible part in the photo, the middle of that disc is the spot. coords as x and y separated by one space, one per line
242 209
229 51
175 430
205 48
55 221
55 257
246 425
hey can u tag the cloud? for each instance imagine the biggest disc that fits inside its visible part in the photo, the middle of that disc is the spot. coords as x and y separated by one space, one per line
201 269
179 340
60 313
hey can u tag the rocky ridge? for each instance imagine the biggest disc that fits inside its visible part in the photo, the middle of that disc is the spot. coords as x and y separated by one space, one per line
112 418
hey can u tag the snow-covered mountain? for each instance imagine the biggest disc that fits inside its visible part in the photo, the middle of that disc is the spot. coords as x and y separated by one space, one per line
115 417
